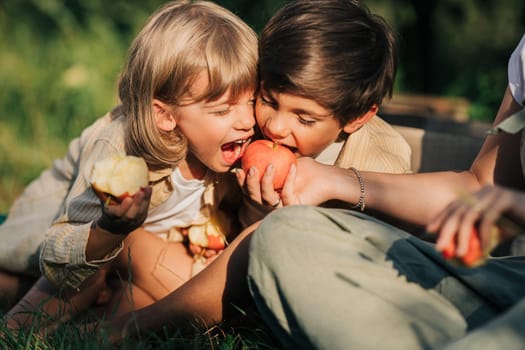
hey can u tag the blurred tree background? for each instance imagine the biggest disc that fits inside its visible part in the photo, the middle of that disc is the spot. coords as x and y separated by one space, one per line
59 61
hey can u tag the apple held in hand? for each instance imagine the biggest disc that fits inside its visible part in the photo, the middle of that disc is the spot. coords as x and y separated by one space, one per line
118 177
261 153
475 256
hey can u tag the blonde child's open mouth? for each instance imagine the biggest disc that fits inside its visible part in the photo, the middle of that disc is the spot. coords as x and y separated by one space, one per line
233 151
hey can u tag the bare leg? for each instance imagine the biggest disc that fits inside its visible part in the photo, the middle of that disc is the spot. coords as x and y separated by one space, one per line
148 269
126 297
155 265
206 298
12 288
45 307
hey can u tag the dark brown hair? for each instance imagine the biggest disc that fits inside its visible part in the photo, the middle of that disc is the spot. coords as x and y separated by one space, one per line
332 51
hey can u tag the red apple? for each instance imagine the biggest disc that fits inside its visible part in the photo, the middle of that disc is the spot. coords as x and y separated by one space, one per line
261 153
450 251
475 256
119 176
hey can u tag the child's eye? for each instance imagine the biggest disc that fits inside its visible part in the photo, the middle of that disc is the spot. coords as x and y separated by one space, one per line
267 102
306 122
221 112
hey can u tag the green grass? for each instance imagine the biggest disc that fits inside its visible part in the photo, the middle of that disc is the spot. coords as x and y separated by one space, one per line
252 335
58 74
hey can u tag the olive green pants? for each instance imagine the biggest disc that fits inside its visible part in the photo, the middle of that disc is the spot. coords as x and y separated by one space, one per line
335 279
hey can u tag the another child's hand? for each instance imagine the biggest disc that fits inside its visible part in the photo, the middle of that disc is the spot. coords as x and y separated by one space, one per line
308 183
484 210
126 216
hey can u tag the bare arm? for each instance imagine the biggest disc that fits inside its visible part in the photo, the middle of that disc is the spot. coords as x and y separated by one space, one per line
411 197
498 161
415 198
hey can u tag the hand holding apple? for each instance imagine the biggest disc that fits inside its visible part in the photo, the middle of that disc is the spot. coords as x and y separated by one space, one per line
121 183
119 176
475 255
490 215
261 153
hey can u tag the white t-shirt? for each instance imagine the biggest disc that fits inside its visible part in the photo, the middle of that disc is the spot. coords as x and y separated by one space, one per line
517 85
183 207
516 72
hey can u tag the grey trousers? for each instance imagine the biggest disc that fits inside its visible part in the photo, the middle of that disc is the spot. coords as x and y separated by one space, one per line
336 279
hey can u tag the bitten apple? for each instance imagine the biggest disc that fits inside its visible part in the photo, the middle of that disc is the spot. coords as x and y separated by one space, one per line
206 236
261 153
119 176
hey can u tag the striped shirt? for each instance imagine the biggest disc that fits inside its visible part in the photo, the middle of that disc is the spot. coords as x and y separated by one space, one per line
63 253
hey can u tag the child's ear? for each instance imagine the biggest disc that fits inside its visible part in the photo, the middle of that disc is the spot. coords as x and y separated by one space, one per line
164 118
355 124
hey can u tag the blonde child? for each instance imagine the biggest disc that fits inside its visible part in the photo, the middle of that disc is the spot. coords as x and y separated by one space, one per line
187 94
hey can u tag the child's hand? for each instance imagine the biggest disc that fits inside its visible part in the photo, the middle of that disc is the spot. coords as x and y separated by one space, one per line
126 216
265 166
484 210
262 192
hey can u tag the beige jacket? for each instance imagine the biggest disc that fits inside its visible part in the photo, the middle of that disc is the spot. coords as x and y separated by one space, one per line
62 254
374 147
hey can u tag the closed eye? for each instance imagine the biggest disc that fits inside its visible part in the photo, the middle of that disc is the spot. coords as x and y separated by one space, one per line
306 122
268 102
221 112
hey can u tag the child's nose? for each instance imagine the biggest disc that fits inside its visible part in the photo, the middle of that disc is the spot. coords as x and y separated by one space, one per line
245 118
276 127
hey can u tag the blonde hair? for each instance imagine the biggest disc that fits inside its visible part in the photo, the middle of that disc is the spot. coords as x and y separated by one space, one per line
179 41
